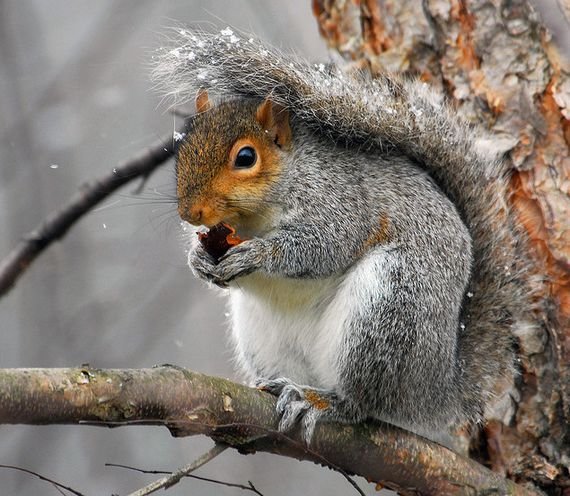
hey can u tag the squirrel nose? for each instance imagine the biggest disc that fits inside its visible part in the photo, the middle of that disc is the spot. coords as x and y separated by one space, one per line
195 214
198 213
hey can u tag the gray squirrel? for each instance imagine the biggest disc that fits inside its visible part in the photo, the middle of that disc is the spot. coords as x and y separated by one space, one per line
381 271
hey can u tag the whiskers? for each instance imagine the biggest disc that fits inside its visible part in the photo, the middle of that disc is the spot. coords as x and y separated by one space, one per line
158 205
153 197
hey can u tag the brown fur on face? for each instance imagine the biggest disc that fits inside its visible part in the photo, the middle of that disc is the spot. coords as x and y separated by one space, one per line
209 188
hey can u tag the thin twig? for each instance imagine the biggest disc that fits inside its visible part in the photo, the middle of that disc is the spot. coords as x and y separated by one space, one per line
174 478
286 439
57 485
90 194
283 437
249 487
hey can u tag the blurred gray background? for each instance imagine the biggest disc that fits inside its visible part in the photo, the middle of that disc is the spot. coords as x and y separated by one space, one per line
75 99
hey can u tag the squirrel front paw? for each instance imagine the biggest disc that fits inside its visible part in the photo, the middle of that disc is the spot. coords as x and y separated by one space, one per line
299 404
240 260
203 266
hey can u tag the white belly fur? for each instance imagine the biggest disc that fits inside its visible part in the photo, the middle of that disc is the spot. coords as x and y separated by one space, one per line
279 325
294 328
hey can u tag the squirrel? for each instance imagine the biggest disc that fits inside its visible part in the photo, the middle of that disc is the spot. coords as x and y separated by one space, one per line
383 270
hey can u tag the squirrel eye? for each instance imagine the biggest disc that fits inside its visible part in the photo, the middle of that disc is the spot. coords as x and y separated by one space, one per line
245 158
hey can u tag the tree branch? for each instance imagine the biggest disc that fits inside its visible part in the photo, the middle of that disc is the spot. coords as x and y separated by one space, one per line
190 403
54 483
175 477
89 195
250 487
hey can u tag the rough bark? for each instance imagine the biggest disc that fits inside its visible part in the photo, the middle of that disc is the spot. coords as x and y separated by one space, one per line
498 66
189 403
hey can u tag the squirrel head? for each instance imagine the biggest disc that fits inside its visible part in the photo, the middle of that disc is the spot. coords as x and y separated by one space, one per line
229 160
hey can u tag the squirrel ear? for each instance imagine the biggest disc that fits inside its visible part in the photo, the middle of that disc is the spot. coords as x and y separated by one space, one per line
274 118
202 101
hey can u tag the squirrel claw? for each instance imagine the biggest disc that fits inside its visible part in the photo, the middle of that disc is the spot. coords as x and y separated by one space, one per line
273 386
292 413
289 395
297 405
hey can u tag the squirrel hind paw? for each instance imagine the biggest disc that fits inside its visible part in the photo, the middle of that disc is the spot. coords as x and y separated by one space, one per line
301 413
273 386
298 405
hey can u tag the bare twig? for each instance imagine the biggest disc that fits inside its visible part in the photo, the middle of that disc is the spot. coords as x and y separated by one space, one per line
174 478
281 437
57 485
249 487
89 195
318 458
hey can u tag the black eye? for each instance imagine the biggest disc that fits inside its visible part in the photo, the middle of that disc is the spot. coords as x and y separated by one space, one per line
245 158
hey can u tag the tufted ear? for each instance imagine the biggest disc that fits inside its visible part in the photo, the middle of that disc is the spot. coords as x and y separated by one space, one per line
202 101
274 119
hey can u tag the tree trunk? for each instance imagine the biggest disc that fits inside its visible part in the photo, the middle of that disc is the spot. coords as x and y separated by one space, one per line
498 66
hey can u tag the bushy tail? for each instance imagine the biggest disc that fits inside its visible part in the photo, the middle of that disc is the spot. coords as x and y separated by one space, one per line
385 113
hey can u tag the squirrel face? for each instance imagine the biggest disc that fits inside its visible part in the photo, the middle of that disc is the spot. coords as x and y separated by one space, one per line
229 159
